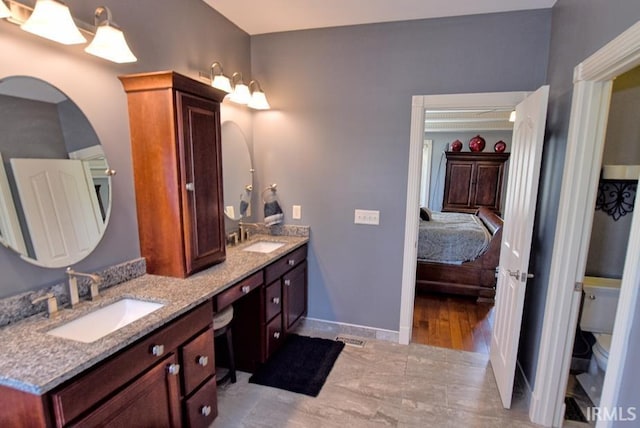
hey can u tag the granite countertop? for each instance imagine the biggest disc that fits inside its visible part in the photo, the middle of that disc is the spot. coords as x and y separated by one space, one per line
35 362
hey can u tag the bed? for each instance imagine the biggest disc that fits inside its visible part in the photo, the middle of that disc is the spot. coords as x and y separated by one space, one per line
470 271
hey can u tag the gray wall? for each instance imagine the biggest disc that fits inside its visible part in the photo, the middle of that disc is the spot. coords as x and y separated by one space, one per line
579 28
338 137
441 142
183 35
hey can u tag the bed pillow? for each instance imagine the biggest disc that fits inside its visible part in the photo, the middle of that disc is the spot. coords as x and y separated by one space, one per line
425 214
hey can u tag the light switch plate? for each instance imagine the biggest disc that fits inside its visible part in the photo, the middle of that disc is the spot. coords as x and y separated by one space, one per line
297 212
367 217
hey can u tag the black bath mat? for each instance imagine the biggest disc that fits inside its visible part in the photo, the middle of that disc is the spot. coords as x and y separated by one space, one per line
572 411
301 365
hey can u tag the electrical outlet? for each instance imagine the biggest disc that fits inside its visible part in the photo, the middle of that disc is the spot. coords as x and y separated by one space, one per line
297 214
367 217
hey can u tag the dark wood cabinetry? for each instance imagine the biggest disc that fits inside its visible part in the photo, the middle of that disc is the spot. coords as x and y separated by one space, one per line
150 383
474 180
176 152
267 307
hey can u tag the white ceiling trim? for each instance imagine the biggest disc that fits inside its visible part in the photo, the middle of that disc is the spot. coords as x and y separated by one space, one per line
270 16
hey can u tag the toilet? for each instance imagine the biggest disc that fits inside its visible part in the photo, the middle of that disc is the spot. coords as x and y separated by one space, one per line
598 316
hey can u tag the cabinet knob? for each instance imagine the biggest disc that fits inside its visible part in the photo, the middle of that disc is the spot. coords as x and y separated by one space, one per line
276 335
276 300
291 262
157 350
245 289
190 187
205 410
287 282
173 369
203 360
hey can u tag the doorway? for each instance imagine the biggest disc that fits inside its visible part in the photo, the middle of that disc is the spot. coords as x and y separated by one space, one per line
484 101
448 320
590 108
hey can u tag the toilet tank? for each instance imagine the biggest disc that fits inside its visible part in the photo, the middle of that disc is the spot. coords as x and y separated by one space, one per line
600 304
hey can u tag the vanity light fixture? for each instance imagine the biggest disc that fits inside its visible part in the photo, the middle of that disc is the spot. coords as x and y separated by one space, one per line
4 10
219 80
258 98
109 42
52 20
240 94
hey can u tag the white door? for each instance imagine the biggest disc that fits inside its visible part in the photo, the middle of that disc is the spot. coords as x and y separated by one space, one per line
59 205
522 191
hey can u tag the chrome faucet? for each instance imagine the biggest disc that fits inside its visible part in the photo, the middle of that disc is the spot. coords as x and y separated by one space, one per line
243 231
95 281
52 304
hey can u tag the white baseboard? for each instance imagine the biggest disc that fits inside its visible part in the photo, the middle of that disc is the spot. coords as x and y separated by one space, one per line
333 327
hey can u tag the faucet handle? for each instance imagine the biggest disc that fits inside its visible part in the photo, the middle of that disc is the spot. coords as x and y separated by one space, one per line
52 303
94 290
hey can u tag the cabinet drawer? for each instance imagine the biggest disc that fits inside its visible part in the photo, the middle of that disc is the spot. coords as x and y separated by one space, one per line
198 361
232 294
273 300
279 267
202 408
85 391
275 335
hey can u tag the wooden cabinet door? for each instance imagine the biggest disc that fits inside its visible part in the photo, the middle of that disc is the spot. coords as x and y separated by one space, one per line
459 183
201 163
151 401
488 185
294 286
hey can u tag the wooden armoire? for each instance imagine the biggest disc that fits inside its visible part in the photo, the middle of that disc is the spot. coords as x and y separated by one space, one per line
473 180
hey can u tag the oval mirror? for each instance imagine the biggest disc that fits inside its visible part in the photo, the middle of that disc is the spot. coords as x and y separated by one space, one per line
55 183
237 171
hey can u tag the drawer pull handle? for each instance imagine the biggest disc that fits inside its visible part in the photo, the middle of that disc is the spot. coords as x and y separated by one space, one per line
287 282
190 187
173 369
203 360
205 410
245 289
157 350
291 262
276 335
276 300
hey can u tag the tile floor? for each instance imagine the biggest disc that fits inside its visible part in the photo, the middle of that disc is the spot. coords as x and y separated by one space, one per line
382 384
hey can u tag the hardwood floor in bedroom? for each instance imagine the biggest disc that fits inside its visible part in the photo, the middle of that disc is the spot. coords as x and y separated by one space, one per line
452 322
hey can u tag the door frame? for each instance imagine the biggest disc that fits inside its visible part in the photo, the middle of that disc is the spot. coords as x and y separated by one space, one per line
487 100
585 144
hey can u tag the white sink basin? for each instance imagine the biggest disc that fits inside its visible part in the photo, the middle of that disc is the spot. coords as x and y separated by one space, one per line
94 325
263 246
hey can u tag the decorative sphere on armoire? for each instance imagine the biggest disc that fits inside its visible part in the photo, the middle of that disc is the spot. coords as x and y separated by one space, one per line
456 146
476 144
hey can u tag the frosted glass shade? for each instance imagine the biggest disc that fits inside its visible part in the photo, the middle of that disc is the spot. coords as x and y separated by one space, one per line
4 10
52 20
220 81
109 43
259 101
241 94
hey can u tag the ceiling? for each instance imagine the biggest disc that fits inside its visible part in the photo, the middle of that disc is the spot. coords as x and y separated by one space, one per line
467 120
270 16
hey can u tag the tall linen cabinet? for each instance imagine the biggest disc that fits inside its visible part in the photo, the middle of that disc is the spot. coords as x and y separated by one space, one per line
177 166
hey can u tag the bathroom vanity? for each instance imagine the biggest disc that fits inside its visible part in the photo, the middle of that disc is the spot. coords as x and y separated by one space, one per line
159 370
